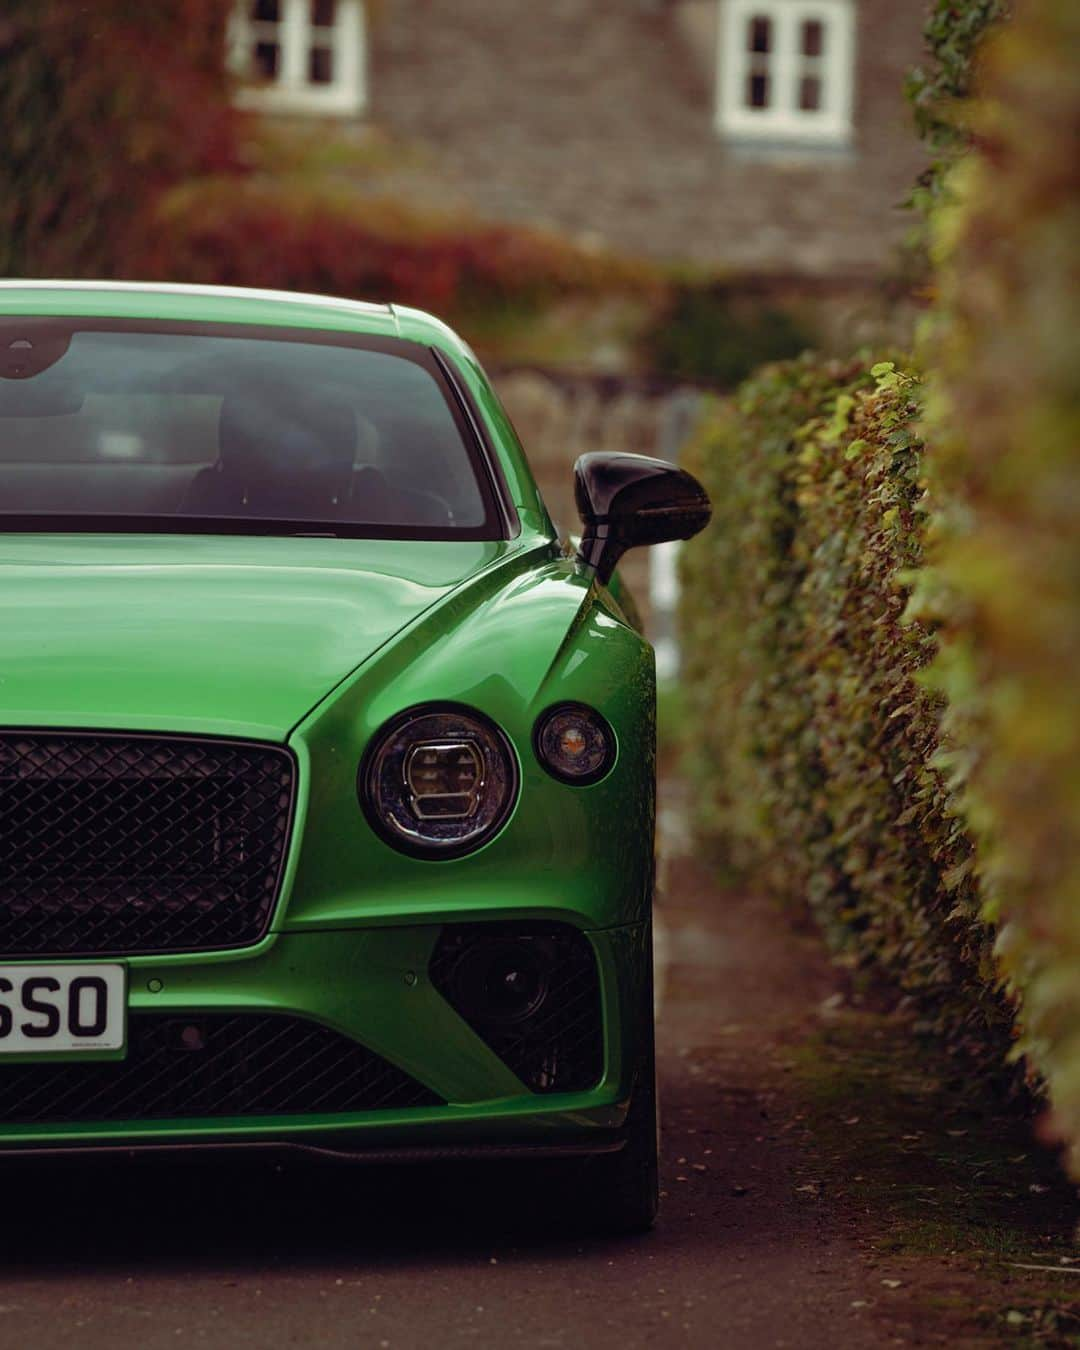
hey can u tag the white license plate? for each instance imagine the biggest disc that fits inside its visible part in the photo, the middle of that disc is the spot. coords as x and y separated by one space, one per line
49 1009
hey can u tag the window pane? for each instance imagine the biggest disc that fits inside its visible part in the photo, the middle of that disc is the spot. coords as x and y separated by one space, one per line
321 66
266 11
813 38
322 13
757 91
810 94
267 60
759 34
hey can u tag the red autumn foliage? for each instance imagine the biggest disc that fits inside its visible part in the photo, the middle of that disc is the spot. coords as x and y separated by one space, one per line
265 232
104 106
123 160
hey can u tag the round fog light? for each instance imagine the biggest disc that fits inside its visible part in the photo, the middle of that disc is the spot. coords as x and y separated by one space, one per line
575 744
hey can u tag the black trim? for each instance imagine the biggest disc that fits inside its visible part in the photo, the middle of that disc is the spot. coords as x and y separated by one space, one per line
237 1065
629 501
433 852
500 517
341 1149
588 779
289 828
237 526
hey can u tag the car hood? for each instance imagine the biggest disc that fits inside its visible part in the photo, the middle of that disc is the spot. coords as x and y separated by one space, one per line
220 635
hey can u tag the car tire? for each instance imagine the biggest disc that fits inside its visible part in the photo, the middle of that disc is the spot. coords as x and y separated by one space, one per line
623 1188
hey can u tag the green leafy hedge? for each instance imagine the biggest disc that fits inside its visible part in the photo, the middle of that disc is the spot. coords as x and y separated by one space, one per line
883 625
816 770
940 90
1005 486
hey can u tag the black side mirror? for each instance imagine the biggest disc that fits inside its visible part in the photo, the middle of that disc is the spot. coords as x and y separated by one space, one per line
627 500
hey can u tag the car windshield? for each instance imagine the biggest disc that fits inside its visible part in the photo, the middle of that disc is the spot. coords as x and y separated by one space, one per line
111 424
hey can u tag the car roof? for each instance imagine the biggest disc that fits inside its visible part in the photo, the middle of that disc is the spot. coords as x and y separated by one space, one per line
171 301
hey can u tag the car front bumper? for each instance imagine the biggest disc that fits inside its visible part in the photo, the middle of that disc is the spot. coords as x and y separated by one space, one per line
371 985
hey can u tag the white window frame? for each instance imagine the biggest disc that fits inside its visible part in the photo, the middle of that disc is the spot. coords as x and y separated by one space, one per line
784 120
293 91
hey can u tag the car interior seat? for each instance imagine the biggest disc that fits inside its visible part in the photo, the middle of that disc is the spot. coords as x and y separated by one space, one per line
282 460
297 460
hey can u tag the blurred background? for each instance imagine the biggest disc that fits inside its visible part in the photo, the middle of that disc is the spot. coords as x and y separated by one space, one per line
624 204
825 251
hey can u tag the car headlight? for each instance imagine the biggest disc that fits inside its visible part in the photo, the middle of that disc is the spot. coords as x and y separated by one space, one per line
575 744
438 781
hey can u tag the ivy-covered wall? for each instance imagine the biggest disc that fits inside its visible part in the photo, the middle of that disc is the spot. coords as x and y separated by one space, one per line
300 230
103 106
123 157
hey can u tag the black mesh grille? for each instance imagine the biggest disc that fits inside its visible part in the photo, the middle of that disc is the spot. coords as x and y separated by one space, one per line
121 844
553 1041
181 1068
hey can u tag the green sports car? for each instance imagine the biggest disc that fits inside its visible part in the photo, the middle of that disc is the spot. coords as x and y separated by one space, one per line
326 770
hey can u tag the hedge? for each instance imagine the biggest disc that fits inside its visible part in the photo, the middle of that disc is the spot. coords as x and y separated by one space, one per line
1005 484
883 626
816 771
941 89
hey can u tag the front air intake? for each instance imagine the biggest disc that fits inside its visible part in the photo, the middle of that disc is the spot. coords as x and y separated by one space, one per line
531 991
203 1067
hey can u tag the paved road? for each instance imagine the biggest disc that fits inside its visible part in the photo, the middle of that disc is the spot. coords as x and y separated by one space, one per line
148 1256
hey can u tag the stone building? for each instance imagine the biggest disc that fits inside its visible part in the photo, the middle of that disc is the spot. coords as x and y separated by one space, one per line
750 135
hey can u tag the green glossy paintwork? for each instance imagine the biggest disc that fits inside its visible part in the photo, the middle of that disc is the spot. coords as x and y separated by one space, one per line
361 984
315 643
529 634
220 634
